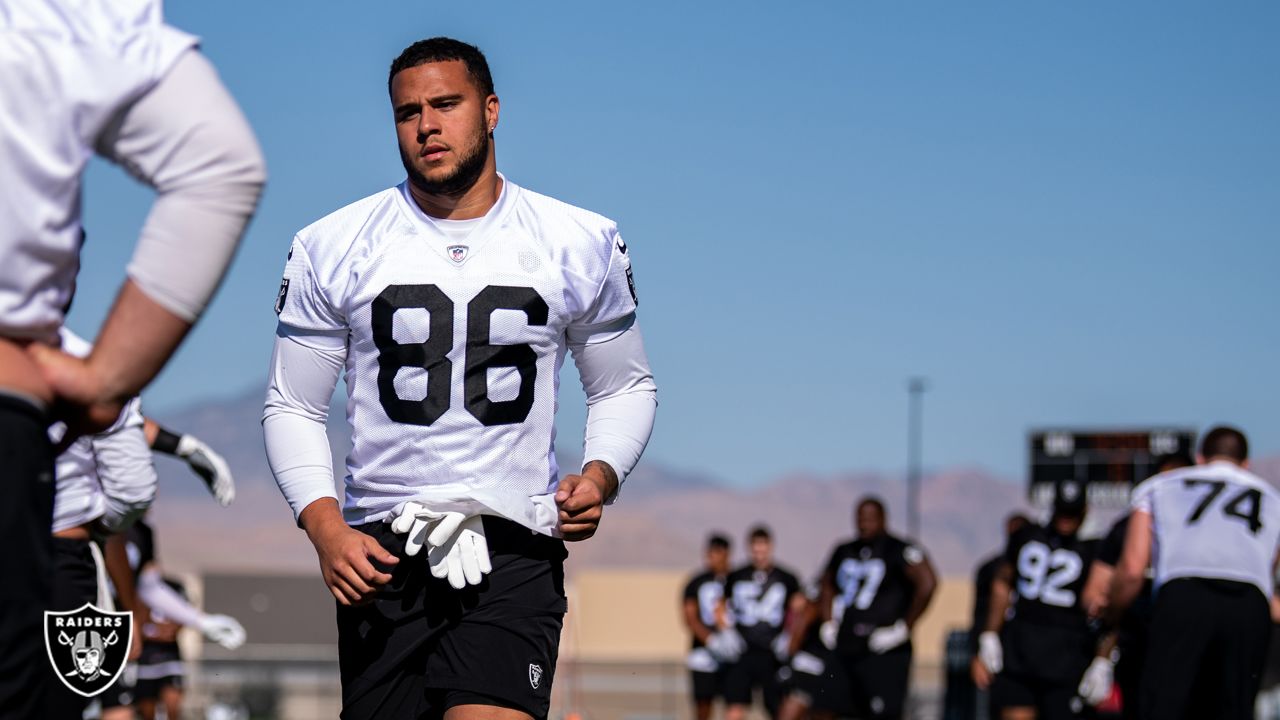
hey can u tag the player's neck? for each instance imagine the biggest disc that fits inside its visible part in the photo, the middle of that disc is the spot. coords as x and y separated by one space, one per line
471 203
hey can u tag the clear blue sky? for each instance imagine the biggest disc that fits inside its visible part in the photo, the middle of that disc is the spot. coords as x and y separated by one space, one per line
1061 213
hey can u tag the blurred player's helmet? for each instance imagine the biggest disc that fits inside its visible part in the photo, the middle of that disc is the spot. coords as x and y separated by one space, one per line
1069 498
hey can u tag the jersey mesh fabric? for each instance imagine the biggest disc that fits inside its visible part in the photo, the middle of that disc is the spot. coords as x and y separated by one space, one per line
376 270
759 601
872 587
1202 524
66 70
78 494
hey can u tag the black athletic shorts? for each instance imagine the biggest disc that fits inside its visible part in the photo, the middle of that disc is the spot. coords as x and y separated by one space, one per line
1206 652
26 522
819 680
158 666
708 686
422 647
75 583
878 683
757 668
1052 700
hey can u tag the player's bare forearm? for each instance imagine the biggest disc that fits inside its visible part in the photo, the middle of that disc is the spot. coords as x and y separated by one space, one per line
925 581
581 499
344 553
136 341
826 594
1000 592
694 623
1107 644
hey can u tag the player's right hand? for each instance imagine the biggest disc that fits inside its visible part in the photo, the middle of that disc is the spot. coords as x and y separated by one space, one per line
726 645
81 401
224 630
982 677
345 556
991 652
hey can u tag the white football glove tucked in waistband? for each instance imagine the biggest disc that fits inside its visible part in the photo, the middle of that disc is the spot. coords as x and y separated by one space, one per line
210 466
455 541
884 639
991 652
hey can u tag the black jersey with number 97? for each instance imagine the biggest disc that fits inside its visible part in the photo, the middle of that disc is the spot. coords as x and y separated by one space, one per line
871 583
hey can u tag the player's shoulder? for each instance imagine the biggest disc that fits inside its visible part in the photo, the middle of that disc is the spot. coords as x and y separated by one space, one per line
567 228
699 578
738 574
906 548
550 209
333 234
785 575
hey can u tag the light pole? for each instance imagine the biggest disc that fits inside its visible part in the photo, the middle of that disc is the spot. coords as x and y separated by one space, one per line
915 418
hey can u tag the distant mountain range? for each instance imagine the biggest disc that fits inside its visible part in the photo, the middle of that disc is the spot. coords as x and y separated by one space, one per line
660 520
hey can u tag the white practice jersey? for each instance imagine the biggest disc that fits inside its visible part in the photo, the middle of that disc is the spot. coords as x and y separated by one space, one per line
67 69
1212 521
116 460
454 347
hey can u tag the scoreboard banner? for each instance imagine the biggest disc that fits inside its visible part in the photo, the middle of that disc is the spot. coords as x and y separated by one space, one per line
1107 462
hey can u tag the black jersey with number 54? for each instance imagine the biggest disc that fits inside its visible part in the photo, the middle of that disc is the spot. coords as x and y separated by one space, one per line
758 600
871 583
1049 570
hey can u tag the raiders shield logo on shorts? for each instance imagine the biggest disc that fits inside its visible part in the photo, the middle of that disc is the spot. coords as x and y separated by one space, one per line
535 675
88 647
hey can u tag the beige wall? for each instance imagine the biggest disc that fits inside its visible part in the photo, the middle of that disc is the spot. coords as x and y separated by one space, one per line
634 615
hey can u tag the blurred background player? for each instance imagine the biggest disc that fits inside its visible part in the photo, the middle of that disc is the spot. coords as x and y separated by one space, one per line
1131 632
983 581
1211 533
875 588
137 547
104 482
203 461
1039 656
78 78
713 648
757 596
160 670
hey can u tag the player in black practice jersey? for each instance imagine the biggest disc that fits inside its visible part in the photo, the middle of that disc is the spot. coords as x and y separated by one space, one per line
874 590
982 583
1039 656
704 615
1131 632
757 597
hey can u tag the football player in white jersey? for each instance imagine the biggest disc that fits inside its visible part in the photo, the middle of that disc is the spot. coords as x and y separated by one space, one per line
449 302
79 78
1211 532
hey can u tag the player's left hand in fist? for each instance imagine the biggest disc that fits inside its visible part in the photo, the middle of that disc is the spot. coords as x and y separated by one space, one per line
1095 686
210 466
581 499
884 639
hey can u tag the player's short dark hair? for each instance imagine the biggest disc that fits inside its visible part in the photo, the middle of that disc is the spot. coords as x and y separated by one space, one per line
716 541
871 500
1174 460
442 49
1225 441
759 532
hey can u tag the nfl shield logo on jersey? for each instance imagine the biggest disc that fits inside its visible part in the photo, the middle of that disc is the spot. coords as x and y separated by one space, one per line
457 253
88 647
